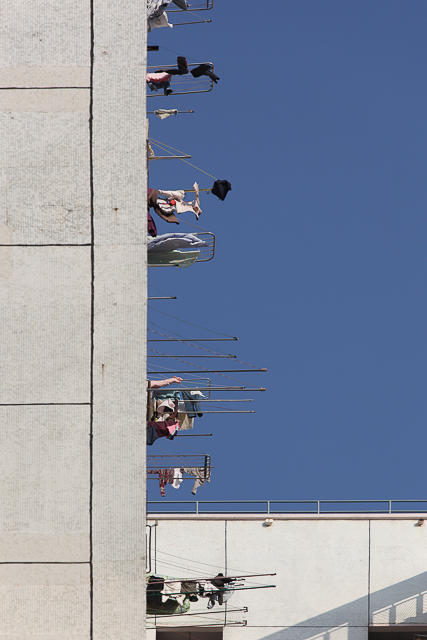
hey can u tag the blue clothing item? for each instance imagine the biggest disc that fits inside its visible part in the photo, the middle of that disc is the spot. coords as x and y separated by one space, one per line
165 395
192 407
152 435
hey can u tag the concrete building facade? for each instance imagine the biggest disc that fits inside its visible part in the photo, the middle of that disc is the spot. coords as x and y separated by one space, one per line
339 577
73 317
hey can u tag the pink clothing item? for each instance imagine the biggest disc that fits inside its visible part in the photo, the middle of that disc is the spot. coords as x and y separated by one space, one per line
158 384
158 77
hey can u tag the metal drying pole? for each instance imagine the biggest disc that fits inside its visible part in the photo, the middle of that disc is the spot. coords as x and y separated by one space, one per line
197 356
213 371
191 340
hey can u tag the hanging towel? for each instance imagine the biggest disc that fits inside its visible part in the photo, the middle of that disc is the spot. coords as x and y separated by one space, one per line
185 422
156 7
165 113
157 23
196 207
177 478
172 195
221 188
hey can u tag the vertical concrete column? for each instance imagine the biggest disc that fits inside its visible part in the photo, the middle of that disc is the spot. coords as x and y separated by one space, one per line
119 183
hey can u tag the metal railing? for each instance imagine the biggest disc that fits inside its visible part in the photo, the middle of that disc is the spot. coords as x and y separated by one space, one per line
288 506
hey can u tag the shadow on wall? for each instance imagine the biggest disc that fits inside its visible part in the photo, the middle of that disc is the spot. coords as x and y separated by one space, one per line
402 603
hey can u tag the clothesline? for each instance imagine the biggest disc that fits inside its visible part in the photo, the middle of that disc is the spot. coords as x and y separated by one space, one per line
159 144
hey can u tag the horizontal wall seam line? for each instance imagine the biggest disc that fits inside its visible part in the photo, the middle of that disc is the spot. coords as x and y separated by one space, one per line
86 244
41 562
43 404
38 88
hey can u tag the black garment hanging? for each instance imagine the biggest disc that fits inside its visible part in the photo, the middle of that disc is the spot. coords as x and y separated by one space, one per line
204 70
151 226
182 69
221 188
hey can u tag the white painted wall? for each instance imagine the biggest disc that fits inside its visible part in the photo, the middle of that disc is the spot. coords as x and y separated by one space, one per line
333 574
72 319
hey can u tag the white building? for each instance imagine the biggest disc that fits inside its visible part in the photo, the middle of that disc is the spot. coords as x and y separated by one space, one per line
339 577
73 319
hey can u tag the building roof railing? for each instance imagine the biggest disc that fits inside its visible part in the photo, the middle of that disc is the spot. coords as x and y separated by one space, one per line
287 506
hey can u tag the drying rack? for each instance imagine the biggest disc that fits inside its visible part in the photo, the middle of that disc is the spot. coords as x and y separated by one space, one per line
205 253
199 461
184 84
200 6
204 382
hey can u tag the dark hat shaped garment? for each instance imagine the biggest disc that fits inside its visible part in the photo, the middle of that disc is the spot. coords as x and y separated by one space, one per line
221 188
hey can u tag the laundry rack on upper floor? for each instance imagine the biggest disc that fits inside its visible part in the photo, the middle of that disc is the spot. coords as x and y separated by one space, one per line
201 6
198 6
204 254
187 385
197 461
185 84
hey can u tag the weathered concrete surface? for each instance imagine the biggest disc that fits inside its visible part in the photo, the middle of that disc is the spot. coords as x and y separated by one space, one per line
72 319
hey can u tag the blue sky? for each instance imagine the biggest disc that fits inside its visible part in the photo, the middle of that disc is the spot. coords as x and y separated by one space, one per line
319 123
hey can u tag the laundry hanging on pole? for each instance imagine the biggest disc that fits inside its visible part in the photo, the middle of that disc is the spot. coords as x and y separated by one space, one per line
156 15
156 7
221 188
159 80
152 202
165 113
204 70
176 199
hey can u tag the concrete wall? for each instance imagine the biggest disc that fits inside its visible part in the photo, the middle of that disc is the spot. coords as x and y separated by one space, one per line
72 318
335 576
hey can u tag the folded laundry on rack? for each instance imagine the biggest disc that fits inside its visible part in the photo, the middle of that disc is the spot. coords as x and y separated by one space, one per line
171 241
